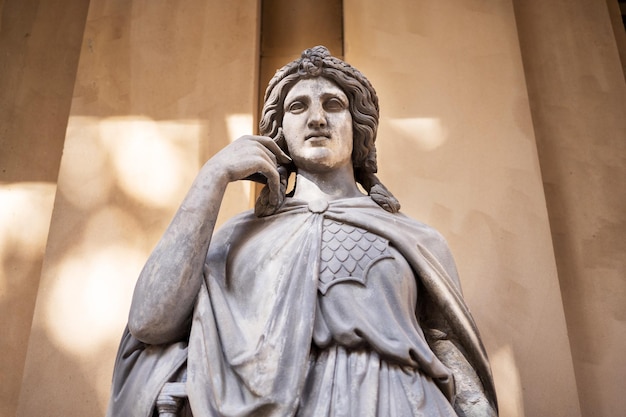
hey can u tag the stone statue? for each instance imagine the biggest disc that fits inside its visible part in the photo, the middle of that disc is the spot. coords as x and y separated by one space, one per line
323 301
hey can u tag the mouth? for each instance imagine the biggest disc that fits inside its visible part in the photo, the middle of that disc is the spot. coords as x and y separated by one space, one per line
317 135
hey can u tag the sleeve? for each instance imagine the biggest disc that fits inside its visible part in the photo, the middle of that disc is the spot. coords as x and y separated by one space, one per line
447 335
139 374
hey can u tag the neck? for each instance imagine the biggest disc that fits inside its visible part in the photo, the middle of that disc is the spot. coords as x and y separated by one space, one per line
327 185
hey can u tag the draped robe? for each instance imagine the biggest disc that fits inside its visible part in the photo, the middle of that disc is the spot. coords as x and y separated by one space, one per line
251 331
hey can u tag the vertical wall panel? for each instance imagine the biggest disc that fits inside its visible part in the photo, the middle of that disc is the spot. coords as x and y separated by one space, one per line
456 146
290 26
578 100
39 49
160 87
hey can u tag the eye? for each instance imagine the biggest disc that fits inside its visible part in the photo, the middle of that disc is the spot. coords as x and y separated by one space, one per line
296 107
334 104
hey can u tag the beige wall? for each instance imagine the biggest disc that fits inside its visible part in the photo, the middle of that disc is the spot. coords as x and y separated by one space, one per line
578 101
456 146
39 49
161 87
290 26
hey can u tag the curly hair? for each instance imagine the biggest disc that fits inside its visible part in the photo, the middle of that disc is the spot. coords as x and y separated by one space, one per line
318 62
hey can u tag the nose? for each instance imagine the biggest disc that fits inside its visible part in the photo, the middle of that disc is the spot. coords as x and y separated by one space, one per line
317 117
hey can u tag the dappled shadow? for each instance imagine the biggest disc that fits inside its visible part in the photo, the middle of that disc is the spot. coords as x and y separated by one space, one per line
25 210
104 225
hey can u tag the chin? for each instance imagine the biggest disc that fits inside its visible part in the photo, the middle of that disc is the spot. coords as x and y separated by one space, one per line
315 156
320 159
320 166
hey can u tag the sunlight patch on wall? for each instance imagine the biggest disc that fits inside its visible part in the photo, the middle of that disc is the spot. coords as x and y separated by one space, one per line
83 183
427 132
24 220
119 179
238 125
88 305
89 301
151 161
25 210
148 156
508 384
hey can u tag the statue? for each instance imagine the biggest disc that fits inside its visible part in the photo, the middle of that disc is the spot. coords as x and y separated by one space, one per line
323 301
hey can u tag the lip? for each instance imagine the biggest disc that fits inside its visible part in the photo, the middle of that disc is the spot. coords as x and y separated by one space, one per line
317 135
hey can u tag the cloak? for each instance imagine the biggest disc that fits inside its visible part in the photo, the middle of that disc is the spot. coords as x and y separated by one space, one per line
251 331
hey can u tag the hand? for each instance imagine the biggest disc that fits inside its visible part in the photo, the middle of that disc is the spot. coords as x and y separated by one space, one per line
248 158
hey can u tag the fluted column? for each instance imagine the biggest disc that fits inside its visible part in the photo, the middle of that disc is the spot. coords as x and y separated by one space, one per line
578 100
160 87
456 146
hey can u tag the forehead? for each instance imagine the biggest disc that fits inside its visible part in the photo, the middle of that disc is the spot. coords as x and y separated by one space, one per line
315 87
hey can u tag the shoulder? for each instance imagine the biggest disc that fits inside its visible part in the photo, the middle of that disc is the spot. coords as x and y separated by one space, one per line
245 226
421 226
419 230
431 245
226 234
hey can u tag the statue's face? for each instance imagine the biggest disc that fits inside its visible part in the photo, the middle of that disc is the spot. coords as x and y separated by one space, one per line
317 125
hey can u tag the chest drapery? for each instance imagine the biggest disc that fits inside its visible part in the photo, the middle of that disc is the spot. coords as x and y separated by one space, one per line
255 316
368 298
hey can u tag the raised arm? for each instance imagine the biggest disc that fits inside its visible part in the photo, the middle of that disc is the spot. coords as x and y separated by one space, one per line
169 282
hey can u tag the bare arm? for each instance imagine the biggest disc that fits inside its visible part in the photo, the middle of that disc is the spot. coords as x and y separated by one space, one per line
169 282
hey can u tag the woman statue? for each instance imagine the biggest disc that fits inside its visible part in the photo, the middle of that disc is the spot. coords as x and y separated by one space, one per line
322 302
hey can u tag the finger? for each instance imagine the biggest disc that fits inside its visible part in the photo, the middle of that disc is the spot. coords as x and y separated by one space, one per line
273 147
267 155
269 146
254 163
273 183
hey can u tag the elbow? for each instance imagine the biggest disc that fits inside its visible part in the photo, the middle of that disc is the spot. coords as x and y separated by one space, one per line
145 329
152 331
142 330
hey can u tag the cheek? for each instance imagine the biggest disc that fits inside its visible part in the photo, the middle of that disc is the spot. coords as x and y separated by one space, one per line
350 132
291 125
292 143
288 132
347 133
